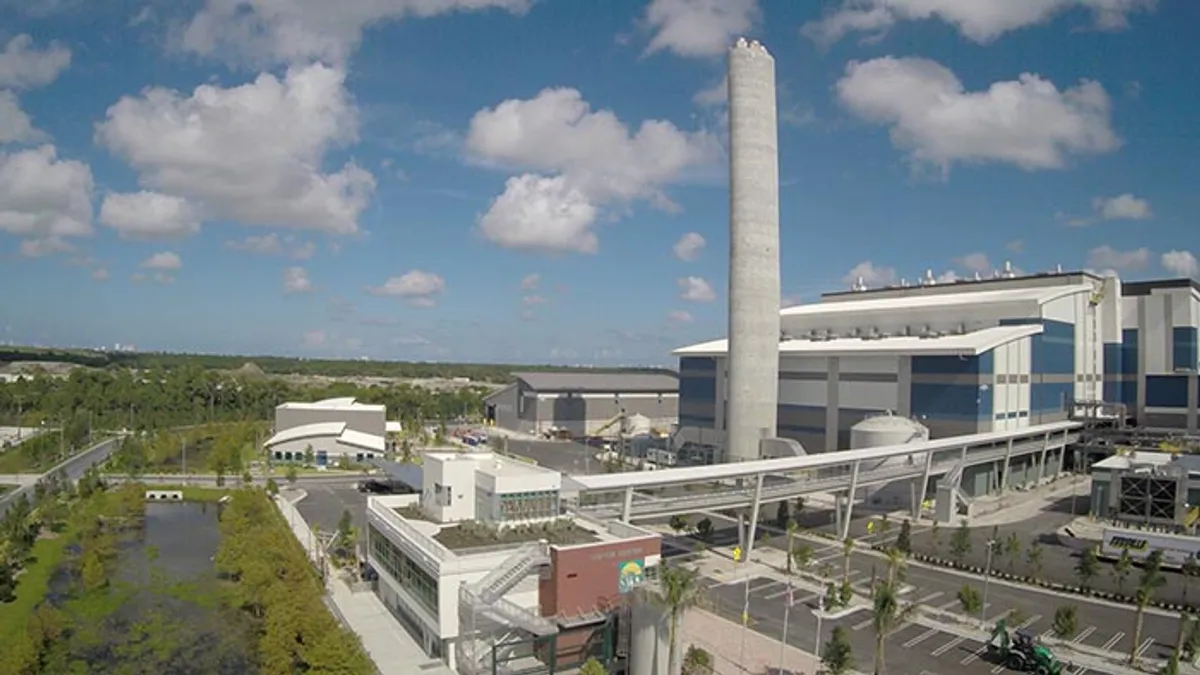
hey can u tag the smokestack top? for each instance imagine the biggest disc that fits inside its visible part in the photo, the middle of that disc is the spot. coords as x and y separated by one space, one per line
752 46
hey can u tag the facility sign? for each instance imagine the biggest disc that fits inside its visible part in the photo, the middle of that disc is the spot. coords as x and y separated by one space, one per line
630 575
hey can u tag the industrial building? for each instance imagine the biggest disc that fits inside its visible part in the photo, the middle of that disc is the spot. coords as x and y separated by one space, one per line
487 572
580 403
329 430
965 357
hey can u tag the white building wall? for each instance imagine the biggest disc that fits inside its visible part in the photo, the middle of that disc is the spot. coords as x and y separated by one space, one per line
869 364
802 392
1155 346
1011 395
526 482
868 395
326 444
449 487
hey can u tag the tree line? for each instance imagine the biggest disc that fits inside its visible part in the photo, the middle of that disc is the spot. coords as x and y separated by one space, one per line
121 398
276 585
280 365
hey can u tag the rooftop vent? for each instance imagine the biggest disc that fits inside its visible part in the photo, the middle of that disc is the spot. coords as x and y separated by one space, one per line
904 283
1008 272
977 277
859 285
960 329
928 279
1058 269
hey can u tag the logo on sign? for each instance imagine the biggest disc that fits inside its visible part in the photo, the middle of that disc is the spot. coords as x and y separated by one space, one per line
1128 543
630 575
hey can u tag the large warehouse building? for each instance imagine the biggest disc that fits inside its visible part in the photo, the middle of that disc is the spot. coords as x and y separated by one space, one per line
582 403
332 428
967 357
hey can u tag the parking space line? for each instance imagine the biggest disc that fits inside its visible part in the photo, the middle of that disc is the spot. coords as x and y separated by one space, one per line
998 669
1112 642
925 600
1081 671
1083 635
863 624
1029 622
921 638
1145 645
770 583
948 646
974 656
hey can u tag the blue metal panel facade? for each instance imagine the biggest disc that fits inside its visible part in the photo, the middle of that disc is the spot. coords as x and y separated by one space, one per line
952 388
1183 343
1129 352
1112 370
1166 391
1052 367
697 391
953 365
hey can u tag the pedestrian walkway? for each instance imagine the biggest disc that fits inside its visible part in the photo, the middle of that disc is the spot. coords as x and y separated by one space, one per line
759 655
391 648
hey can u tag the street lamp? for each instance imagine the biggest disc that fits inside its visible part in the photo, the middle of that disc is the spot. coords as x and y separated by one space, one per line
818 612
987 576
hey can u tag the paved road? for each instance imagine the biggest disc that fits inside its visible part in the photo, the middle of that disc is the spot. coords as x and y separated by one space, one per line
74 468
326 501
564 456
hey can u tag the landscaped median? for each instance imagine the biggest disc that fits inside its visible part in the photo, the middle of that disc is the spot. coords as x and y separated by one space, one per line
1074 589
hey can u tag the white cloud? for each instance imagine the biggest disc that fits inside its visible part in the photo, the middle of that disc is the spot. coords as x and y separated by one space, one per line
24 66
689 246
149 215
1181 263
595 160
163 261
1016 245
979 20
532 300
420 288
696 289
44 199
1026 122
679 316
698 28
1107 257
1122 207
870 274
44 246
295 280
975 262
717 94
15 124
530 282
314 338
251 153
535 213
100 274
292 31
273 244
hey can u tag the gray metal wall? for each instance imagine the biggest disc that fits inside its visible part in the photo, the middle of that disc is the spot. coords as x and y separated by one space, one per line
506 402
367 421
582 416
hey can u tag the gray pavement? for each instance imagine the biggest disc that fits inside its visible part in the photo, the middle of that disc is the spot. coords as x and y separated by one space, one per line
73 467
564 456
326 501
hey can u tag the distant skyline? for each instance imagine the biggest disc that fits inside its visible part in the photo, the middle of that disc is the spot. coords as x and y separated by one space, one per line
544 181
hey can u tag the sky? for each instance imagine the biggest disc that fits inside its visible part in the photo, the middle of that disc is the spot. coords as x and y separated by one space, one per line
545 181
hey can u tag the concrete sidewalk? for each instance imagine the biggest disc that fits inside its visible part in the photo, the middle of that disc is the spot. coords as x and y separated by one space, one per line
723 639
392 649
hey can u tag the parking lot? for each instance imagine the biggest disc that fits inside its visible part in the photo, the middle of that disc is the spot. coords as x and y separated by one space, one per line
323 506
919 648
563 456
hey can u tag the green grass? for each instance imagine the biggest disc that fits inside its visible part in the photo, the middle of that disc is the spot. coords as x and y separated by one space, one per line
7 488
32 586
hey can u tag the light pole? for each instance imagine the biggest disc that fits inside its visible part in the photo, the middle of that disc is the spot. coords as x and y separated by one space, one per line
787 609
818 612
987 576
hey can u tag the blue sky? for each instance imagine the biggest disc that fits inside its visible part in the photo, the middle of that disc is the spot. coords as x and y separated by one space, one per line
544 180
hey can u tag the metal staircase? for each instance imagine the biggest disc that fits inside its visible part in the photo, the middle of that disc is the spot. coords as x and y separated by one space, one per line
485 614
508 574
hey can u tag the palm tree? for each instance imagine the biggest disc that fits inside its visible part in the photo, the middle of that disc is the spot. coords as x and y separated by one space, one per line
678 591
895 562
1152 578
887 616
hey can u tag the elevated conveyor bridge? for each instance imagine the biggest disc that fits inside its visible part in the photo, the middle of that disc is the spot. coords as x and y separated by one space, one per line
843 473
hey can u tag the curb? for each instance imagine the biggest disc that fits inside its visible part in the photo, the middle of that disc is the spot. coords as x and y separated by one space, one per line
1024 582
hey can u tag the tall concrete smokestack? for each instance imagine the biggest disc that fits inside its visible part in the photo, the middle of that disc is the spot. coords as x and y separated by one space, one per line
753 251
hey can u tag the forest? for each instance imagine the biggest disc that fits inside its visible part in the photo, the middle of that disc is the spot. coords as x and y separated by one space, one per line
89 401
279 365
72 609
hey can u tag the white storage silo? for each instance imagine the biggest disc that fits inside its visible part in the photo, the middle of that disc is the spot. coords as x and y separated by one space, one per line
649 638
888 430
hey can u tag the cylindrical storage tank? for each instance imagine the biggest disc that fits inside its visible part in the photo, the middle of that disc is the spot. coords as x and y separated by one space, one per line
649 638
886 429
889 430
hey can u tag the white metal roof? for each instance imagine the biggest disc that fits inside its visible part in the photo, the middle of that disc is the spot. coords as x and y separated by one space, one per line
359 439
968 344
393 427
1038 295
692 474
344 403
315 430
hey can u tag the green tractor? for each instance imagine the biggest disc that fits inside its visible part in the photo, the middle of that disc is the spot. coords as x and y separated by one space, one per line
1023 652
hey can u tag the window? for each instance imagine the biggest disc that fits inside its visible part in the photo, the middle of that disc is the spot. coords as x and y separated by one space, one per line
419 583
529 505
